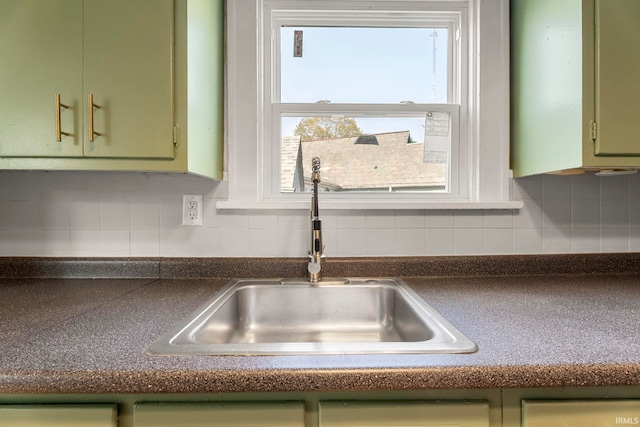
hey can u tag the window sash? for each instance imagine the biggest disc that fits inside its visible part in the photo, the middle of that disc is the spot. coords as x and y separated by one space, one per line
438 15
457 167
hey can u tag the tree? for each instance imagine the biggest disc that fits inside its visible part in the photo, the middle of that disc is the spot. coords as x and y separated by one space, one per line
318 128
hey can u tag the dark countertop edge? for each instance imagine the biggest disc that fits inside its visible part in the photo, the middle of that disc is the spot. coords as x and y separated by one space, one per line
324 380
79 268
438 266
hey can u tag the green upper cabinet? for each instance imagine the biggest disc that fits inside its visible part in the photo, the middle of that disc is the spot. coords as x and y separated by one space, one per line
574 68
617 83
140 85
118 51
127 67
58 415
41 51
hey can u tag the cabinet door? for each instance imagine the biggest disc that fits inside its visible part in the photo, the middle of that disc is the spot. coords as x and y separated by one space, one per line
580 413
617 74
58 416
407 413
128 65
288 414
40 55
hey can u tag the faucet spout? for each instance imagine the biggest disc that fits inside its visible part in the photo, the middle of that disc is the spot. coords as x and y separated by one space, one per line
316 254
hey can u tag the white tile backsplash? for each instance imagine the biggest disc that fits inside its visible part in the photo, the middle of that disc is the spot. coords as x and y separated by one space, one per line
614 188
584 240
586 186
5 242
27 242
498 241
235 242
351 241
556 240
381 242
140 214
144 215
294 242
469 219
557 214
114 243
381 219
262 242
634 239
469 241
440 241
25 214
144 243
442 219
527 241
84 212
410 219
205 242
614 213
115 215
614 240
84 243
175 242
585 213
556 187
411 242
56 243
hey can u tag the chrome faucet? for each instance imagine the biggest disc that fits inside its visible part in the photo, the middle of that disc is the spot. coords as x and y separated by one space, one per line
316 254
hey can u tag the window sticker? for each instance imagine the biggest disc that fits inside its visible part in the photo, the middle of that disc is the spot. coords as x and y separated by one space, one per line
437 139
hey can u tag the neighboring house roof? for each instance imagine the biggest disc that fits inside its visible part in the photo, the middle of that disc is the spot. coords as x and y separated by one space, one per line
352 164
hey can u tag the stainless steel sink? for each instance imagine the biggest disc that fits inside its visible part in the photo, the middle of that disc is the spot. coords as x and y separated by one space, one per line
269 317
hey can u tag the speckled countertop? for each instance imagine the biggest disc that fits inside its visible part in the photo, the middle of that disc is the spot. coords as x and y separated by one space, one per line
575 327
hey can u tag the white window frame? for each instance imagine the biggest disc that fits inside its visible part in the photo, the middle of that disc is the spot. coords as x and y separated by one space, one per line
352 14
485 139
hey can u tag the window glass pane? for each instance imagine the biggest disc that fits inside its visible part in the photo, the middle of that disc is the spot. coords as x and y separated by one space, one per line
362 154
363 65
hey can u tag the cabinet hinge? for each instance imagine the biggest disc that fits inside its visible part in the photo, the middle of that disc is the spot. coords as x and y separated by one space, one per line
175 136
594 131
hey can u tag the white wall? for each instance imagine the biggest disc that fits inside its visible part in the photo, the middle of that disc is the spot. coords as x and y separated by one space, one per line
139 214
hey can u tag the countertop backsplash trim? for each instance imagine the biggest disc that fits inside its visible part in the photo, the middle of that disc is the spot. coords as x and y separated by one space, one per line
445 266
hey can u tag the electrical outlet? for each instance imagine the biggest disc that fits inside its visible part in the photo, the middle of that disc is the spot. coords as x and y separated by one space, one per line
192 209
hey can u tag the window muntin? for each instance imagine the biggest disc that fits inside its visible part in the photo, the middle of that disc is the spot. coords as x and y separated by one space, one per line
294 89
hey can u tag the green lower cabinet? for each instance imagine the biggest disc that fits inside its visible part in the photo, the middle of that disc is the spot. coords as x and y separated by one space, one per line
58 415
404 413
580 413
287 414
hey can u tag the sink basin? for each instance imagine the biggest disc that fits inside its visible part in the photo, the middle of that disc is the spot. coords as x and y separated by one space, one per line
270 317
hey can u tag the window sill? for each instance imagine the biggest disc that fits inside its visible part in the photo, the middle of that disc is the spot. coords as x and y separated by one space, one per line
369 205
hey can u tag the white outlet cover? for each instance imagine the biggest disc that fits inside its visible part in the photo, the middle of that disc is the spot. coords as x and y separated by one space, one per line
192 209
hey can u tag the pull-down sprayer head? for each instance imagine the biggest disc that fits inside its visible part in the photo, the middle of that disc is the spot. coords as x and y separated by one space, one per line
316 252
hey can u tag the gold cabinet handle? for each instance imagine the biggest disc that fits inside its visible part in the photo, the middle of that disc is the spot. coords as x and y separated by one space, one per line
92 106
59 106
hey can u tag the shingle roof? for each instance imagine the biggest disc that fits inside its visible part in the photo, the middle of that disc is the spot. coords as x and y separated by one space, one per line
392 162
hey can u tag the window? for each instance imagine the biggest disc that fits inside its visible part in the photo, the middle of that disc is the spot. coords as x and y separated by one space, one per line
390 95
